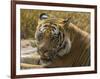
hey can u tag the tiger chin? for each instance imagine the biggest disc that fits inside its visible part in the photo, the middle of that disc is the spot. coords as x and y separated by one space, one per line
60 43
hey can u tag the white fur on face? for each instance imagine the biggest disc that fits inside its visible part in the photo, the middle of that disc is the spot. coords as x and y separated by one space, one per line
67 48
55 31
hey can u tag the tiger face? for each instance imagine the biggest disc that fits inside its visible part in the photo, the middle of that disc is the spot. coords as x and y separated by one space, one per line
51 40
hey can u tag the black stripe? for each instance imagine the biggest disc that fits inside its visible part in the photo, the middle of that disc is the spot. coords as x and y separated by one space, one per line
61 38
62 47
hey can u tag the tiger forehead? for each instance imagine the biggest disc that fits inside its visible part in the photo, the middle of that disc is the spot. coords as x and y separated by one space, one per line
52 21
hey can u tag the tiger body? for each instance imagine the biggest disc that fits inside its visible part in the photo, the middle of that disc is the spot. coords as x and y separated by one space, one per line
62 44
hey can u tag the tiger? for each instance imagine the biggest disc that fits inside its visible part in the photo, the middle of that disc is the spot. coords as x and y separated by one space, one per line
60 43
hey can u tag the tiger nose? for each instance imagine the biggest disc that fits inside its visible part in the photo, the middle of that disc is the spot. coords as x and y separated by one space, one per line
47 33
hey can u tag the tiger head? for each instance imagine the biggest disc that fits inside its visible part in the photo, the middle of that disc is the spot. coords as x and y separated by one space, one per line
52 39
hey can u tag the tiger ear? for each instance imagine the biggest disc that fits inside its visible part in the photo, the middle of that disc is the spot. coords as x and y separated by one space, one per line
67 21
43 16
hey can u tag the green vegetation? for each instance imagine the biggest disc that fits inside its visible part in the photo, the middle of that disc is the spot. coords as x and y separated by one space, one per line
29 19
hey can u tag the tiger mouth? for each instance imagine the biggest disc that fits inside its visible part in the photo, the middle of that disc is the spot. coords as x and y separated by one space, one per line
46 59
45 62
